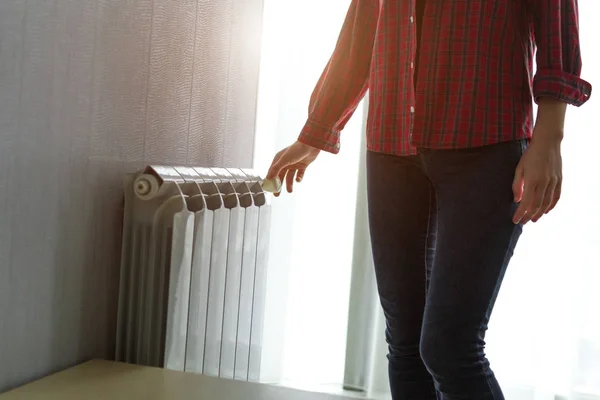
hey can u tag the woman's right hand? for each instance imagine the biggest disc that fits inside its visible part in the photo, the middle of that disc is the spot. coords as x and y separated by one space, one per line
291 163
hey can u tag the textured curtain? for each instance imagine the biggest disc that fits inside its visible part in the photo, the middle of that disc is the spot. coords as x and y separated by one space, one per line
312 231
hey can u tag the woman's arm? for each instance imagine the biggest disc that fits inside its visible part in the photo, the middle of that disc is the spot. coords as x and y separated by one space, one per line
344 81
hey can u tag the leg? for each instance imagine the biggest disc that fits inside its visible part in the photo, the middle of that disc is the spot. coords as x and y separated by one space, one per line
476 239
402 229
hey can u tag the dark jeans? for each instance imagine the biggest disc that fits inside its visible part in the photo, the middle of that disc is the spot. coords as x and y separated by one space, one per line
442 237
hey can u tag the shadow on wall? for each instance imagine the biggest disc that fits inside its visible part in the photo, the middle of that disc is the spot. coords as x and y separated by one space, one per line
90 89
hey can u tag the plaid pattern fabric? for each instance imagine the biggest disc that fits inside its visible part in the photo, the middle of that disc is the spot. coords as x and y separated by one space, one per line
474 84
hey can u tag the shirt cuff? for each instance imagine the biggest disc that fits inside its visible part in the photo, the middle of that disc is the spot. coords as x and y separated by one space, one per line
320 136
562 86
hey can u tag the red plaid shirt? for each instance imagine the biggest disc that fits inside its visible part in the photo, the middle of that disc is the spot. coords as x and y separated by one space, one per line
475 82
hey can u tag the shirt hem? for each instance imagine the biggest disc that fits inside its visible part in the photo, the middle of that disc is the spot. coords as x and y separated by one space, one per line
388 149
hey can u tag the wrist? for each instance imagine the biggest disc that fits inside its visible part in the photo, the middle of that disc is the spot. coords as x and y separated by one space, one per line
547 134
544 140
308 147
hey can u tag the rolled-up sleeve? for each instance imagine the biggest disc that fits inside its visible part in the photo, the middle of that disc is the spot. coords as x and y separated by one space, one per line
556 31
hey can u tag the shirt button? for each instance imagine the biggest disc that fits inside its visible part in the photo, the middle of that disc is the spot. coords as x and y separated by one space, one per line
412 109
411 19
412 65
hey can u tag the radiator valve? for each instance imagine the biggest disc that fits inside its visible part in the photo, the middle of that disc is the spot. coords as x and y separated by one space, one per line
146 186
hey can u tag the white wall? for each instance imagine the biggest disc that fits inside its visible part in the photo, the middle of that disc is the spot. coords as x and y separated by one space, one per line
90 89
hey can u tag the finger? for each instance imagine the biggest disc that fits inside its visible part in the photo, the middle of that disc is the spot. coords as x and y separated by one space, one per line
281 176
546 201
517 186
300 174
276 165
291 173
555 197
526 202
275 170
536 204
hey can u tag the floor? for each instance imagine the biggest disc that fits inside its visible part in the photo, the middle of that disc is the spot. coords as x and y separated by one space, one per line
337 390
100 380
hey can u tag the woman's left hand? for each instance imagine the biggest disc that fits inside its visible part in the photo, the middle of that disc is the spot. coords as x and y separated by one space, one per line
538 179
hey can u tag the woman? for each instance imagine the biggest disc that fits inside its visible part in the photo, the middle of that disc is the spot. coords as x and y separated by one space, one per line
456 165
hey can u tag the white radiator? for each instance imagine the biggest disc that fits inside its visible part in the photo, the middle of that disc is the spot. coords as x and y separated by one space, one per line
193 271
